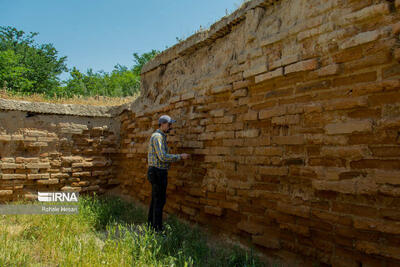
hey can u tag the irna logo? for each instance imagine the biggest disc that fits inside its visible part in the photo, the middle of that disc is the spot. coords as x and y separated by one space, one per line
58 196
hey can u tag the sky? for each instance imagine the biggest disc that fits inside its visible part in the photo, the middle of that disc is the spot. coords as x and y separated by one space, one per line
99 34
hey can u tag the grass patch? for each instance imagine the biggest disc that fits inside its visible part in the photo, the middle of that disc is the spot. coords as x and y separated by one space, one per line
109 231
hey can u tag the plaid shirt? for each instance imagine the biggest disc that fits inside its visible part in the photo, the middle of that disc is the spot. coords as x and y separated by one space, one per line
157 155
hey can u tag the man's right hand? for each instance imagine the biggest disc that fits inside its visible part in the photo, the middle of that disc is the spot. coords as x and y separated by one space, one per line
185 156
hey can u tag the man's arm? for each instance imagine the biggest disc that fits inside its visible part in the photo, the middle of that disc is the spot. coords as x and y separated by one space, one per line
161 151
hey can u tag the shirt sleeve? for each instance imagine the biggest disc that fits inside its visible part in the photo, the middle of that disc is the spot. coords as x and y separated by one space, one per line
161 151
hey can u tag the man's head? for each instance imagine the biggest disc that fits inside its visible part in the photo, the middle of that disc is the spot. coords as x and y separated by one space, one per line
165 122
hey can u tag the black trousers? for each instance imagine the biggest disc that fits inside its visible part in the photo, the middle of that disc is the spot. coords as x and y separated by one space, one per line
158 179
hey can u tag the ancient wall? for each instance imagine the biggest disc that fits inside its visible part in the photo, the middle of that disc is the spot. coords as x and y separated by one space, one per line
291 110
48 147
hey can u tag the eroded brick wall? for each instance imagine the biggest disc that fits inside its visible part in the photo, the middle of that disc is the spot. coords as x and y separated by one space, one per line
55 152
291 110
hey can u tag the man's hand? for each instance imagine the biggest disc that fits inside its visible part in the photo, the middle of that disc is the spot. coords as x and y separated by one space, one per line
185 156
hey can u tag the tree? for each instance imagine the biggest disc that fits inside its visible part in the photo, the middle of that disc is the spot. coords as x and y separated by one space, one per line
26 66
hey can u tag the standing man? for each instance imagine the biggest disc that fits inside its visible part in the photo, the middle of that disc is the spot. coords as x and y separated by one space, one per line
159 162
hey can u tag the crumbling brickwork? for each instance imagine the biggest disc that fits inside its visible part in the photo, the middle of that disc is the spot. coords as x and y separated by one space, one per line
291 111
46 148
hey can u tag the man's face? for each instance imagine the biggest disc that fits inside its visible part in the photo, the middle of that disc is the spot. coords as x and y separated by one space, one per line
166 127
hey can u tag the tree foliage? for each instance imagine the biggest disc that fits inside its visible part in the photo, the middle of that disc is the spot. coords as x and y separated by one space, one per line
27 67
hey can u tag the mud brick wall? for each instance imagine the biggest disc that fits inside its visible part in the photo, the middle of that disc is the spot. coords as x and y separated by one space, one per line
291 110
47 147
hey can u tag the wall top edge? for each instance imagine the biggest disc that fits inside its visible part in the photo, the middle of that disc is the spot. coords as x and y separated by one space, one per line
200 39
62 109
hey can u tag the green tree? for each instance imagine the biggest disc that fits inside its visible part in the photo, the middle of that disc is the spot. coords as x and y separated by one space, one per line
26 66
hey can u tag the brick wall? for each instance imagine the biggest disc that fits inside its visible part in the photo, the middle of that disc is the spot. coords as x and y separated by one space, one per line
291 111
47 147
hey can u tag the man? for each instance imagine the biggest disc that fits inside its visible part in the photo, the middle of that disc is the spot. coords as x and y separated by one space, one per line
159 162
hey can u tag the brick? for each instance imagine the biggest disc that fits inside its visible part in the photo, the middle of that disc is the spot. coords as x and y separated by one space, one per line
346 103
288 140
6 192
239 93
187 96
229 205
32 165
329 70
71 189
250 133
286 120
243 151
272 112
345 151
301 211
284 61
361 38
299 229
386 151
217 112
39 176
306 65
59 175
348 127
278 171
250 227
13 176
350 186
11 166
49 181
377 225
269 75
241 84
81 174
375 164
5 137
221 89
268 241
377 249
254 70
269 151
251 115
367 13
217 211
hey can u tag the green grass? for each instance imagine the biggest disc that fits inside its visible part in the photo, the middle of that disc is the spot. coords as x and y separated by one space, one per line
109 232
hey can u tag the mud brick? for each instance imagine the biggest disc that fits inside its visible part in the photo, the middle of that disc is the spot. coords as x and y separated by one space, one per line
346 103
229 205
348 127
301 211
217 211
32 165
288 140
48 181
11 166
329 70
269 75
269 170
13 176
272 112
250 227
267 241
250 133
367 13
286 120
189 210
6 192
39 176
306 65
269 151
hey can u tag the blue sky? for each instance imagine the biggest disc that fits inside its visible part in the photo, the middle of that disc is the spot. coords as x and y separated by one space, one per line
99 34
